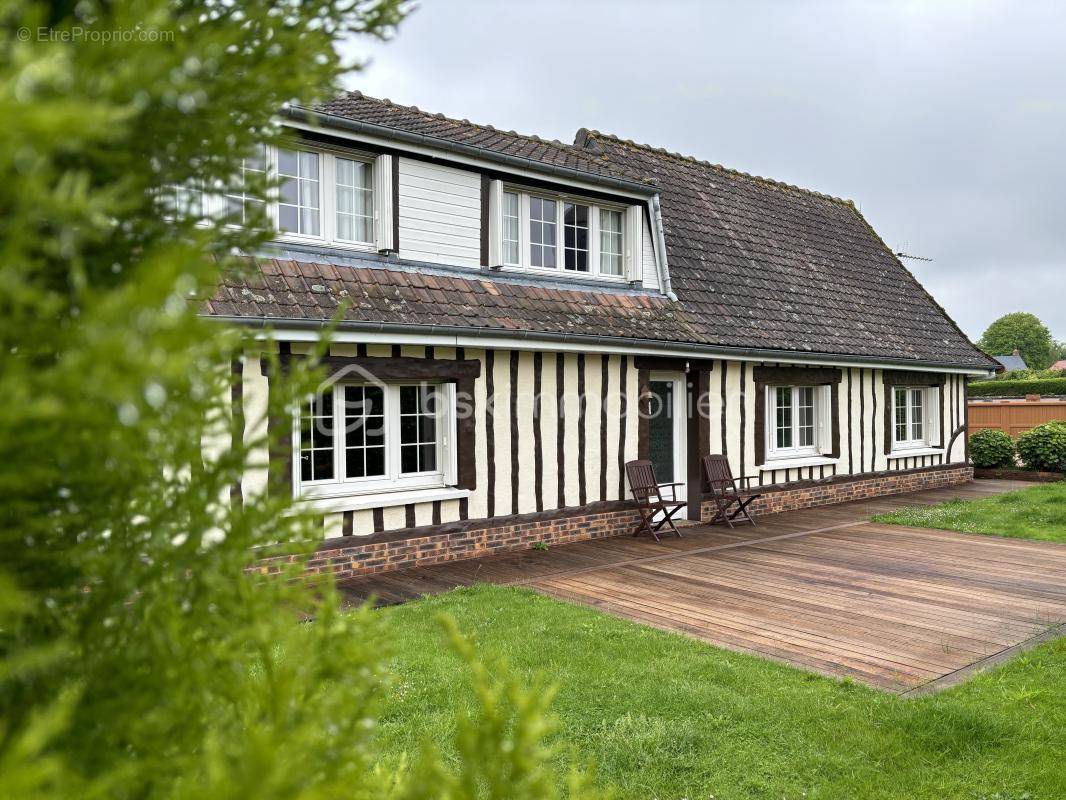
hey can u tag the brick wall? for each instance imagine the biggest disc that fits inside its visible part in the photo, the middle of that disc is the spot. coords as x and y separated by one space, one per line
811 495
363 555
345 558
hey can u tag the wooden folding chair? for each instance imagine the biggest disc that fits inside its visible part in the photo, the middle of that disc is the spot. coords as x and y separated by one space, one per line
648 493
725 492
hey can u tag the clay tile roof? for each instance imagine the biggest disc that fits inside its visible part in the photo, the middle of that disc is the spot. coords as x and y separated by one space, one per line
763 264
401 296
357 106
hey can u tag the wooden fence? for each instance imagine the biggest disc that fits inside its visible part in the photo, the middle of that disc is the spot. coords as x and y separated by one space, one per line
1014 416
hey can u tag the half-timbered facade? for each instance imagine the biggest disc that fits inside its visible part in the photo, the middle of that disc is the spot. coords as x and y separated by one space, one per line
522 317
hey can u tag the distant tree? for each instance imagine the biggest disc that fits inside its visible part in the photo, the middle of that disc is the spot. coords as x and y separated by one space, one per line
1021 331
1058 351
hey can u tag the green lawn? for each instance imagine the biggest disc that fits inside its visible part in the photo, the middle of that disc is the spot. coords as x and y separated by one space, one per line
1038 512
664 716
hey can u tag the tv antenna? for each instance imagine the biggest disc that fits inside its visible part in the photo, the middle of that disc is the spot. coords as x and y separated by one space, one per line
901 254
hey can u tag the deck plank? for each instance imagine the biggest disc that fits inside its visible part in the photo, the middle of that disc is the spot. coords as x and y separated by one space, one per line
824 589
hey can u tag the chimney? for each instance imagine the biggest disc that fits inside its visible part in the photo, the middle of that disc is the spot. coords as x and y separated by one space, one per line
1016 353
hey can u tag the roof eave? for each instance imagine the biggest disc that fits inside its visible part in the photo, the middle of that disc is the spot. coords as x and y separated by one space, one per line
335 121
696 349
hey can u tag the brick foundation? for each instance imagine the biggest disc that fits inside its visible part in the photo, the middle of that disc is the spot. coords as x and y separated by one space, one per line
845 489
365 555
353 556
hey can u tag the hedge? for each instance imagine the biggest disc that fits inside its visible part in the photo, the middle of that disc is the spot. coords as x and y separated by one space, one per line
1046 386
991 448
1044 447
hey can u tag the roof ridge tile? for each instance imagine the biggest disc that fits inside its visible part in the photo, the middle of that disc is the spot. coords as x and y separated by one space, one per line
591 133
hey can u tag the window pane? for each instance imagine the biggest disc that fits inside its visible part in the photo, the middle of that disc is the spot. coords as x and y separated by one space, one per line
409 458
316 439
418 429
610 242
287 164
542 232
375 461
240 203
783 417
805 410
575 237
185 200
916 414
900 402
298 200
322 464
364 430
427 458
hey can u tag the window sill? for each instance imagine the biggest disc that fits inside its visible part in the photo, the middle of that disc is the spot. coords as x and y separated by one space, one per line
561 273
916 451
793 463
359 502
283 239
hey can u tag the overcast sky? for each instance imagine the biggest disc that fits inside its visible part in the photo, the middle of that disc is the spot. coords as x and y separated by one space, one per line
945 122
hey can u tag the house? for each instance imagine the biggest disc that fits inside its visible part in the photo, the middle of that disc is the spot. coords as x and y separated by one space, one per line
1059 365
1010 363
525 316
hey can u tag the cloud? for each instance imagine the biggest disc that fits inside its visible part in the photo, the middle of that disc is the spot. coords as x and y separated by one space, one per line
945 122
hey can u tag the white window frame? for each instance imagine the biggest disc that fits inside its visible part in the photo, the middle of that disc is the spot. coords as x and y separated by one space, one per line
214 202
300 179
822 421
930 418
561 199
334 187
503 228
392 481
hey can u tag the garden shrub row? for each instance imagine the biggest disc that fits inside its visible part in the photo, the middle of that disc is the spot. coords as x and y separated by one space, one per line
1041 448
1045 386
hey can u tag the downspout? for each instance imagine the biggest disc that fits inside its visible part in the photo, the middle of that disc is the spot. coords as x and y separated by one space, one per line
660 245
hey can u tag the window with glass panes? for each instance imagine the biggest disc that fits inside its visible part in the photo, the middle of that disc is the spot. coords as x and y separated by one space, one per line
793 420
576 237
364 431
563 233
316 439
511 241
373 436
908 415
184 201
610 242
355 200
241 204
298 201
418 429
542 225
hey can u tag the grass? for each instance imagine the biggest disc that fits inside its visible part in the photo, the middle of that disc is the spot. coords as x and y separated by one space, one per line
1038 512
664 716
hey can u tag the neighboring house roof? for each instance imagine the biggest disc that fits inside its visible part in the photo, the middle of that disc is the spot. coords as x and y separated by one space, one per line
758 263
1059 365
276 289
1012 362
537 151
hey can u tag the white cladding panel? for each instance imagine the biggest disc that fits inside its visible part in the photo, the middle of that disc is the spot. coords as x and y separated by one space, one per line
440 214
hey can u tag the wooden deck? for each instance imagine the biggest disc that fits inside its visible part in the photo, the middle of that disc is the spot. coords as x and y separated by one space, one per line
904 609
